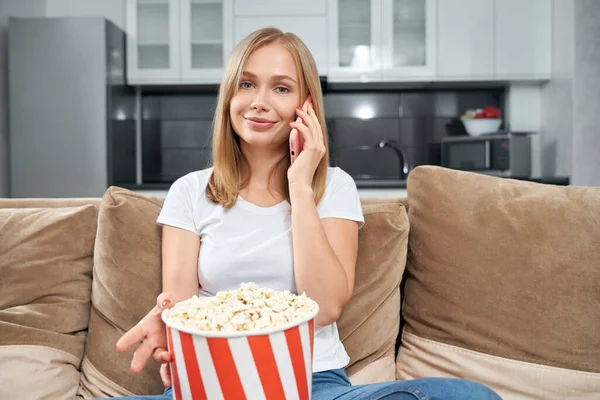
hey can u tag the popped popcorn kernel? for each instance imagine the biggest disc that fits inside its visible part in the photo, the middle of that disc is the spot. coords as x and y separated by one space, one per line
248 308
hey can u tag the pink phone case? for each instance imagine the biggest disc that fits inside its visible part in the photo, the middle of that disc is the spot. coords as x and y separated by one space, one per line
296 142
296 137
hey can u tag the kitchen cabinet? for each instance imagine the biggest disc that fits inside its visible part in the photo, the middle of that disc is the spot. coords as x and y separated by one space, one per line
153 46
465 39
523 39
381 40
311 29
308 20
409 39
355 42
206 39
272 8
178 41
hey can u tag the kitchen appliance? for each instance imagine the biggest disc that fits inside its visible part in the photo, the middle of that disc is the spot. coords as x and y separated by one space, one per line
72 125
505 154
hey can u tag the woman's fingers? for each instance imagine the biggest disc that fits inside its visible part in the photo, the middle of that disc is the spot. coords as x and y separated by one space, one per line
130 338
304 131
164 301
161 356
165 375
309 135
141 355
318 132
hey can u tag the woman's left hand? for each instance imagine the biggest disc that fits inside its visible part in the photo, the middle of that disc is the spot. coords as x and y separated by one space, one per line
302 171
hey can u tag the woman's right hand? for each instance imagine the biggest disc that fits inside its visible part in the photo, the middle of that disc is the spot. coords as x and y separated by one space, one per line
151 333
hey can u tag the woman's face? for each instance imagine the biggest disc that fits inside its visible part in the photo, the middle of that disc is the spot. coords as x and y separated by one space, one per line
266 99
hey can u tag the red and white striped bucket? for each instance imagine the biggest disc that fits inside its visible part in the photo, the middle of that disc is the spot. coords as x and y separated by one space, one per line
270 364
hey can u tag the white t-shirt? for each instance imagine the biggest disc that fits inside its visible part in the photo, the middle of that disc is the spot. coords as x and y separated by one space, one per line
249 243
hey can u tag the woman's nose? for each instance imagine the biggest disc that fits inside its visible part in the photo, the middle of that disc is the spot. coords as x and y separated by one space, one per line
260 102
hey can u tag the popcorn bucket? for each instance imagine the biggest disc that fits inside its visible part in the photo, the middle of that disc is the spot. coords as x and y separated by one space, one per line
274 363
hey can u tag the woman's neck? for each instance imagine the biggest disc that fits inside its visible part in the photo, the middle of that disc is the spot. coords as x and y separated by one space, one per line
268 171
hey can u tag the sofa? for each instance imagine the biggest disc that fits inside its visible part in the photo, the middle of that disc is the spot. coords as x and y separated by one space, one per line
470 276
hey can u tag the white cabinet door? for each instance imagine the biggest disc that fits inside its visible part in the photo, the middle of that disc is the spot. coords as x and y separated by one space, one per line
153 54
312 31
354 34
288 8
206 39
409 39
465 39
523 39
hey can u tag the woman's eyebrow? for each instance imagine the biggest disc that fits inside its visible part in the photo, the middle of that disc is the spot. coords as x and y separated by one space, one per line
273 78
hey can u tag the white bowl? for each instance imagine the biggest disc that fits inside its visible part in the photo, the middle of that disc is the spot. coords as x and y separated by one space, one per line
481 126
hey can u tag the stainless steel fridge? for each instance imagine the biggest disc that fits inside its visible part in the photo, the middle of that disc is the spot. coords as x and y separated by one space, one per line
70 111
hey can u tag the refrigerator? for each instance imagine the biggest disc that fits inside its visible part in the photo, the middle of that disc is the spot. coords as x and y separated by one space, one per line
71 114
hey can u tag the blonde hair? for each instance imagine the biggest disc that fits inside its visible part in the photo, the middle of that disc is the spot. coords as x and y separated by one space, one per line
231 170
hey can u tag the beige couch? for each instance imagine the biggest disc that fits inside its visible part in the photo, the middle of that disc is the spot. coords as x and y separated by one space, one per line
500 283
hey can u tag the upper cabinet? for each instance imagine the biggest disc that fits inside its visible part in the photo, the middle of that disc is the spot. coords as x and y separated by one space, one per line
206 39
355 42
178 41
189 41
409 39
523 39
465 39
381 40
307 19
153 46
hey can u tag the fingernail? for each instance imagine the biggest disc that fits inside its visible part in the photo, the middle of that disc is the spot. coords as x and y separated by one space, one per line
166 303
298 108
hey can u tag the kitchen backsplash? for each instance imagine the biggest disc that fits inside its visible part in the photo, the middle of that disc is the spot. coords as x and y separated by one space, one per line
176 129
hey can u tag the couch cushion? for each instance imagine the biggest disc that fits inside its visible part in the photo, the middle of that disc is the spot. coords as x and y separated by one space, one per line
46 270
127 279
369 323
503 284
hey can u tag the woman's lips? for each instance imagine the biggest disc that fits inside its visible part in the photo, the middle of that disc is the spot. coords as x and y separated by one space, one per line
259 124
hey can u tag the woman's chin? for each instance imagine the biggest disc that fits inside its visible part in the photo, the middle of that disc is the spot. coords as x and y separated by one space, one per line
266 139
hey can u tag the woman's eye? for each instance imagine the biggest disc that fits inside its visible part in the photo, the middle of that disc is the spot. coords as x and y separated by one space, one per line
246 85
281 89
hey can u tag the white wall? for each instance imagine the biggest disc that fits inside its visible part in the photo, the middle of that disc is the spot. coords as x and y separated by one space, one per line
10 8
557 95
586 94
571 101
113 10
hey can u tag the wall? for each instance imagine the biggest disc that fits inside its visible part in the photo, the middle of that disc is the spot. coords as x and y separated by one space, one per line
571 100
113 10
557 95
586 94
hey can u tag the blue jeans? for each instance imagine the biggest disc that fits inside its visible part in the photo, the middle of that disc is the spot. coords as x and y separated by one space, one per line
334 385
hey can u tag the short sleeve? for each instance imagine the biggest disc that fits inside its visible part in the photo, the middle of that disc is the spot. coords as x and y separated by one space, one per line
178 208
341 199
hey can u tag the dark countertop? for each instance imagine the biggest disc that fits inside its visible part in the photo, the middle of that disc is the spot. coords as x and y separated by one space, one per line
360 183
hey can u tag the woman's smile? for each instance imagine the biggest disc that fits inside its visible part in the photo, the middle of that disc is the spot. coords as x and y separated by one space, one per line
259 124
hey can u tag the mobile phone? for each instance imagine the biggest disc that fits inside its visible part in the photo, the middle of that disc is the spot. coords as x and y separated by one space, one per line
296 137
296 142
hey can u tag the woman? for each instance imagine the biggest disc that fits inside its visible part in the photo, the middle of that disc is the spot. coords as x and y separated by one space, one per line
240 211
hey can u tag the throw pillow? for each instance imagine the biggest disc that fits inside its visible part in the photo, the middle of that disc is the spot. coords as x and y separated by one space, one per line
46 270
369 323
503 284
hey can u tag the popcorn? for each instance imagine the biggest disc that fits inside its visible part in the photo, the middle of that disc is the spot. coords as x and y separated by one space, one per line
248 308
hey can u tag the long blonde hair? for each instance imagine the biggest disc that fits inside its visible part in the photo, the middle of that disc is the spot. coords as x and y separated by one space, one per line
231 170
